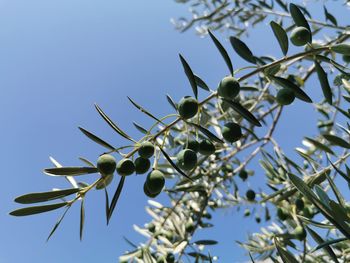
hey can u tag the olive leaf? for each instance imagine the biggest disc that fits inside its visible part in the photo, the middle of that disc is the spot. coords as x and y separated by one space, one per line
319 241
45 196
86 161
281 36
57 223
285 255
205 242
322 76
336 192
314 223
282 5
112 124
200 83
72 171
190 75
115 198
207 133
106 204
171 102
320 145
336 140
96 139
243 112
140 128
343 49
298 16
242 50
37 209
223 52
330 242
82 218
329 16
144 110
344 175
286 83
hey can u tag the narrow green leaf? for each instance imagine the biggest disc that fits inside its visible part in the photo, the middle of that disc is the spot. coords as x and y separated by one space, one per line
57 223
282 5
242 50
140 128
344 175
201 83
96 139
322 76
330 17
86 161
336 191
336 140
285 255
340 214
320 145
286 83
298 16
190 76
207 133
112 124
45 196
106 204
281 36
73 171
314 223
37 209
171 102
144 110
343 49
243 112
205 242
330 242
115 198
322 195
319 241
222 51
82 219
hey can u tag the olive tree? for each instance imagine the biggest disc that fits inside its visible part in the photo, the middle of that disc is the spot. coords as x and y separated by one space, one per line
207 146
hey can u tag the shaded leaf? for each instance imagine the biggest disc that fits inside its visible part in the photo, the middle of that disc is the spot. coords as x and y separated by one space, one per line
242 50
330 17
336 191
115 198
190 76
243 112
37 209
222 51
201 83
314 223
82 218
298 16
322 76
96 139
285 255
336 140
205 242
343 49
45 196
171 102
144 110
330 242
207 133
286 83
281 36
320 145
72 171
140 128
57 223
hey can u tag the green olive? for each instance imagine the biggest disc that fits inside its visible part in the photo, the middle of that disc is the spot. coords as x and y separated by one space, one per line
231 132
106 164
187 159
125 167
188 107
228 88
146 150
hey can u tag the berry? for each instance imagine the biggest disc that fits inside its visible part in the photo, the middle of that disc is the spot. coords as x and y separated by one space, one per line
228 88
151 227
257 219
142 165
146 150
170 258
187 159
192 145
346 58
299 203
188 107
155 182
243 175
231 132
285 96
246 212
250 194
147 192
105 182
206 147
282 214
300 36
125 167
106 164
299 233
227 168
189 227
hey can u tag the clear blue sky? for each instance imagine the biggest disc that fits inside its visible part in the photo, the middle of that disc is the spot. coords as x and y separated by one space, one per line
60 57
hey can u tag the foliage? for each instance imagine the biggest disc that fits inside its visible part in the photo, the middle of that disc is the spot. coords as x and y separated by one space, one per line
204 144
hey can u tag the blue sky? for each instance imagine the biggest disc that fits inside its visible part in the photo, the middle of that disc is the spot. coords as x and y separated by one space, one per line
58 58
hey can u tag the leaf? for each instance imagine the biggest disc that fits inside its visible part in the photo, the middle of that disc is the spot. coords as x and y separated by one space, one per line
140 128
45 196
73 171
345 176
298 16
82 219
242 50
330 242
173 164
57 223
222 51
319 241
314 223
343 49
96 139
144 111
115 198
330 17
205 242
207 133
201 83
336 140
322 76
37 209
86 161
281 36
106 204
320 145
171 102
190 76
286 83
285 255
112 124
243 112
336 191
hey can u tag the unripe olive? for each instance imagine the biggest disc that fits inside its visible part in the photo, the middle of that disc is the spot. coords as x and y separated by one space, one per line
243 174
146 150
231 132
300 36
299 233
105 182
148 193
170 258
206 147
142 165
257 219
299 203
282 214
246 212
285 96
192 145
155 182
188 107
151 227
125 167
187 159
228 87
189 227
227 168
106 164
346 58
250 194
161 259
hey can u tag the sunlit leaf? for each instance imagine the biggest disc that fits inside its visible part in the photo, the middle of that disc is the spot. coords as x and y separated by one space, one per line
72 171
37 209
243 112
286 83
45 196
